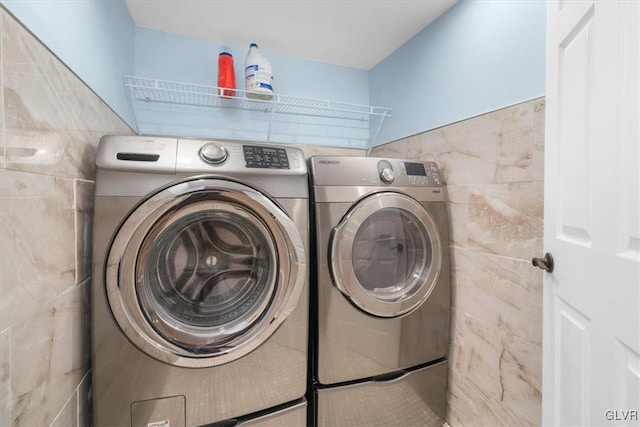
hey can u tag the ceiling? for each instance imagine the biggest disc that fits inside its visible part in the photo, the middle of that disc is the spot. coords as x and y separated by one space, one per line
353 33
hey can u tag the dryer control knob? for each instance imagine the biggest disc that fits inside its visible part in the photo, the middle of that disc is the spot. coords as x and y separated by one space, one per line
214 154
387 176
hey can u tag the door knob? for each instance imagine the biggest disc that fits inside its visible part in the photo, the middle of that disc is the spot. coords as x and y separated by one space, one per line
545 263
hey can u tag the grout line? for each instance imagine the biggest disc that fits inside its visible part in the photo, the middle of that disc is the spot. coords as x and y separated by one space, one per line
489 253
62 409
48 175
76 248
79 398
10 391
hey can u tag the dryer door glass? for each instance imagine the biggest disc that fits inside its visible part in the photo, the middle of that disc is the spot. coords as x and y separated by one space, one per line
391 254
204 271
386 254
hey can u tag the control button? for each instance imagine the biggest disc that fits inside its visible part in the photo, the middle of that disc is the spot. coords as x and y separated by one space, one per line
296 163
294 154
214 154
387 175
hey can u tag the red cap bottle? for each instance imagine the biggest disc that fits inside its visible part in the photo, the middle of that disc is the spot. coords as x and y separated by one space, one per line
226 73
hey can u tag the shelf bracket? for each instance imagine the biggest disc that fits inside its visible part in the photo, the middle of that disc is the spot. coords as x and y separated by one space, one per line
132 95
272 115
374 138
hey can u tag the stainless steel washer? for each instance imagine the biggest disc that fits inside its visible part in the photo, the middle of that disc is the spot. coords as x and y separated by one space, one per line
200 282
381 330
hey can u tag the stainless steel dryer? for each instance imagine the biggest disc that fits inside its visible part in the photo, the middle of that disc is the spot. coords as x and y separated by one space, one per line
382 292
200 283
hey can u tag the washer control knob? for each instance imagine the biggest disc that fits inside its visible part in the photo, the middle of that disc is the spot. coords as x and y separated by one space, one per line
387 176
214 154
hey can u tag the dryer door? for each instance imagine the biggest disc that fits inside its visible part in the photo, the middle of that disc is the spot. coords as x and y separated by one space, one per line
204 271
386 254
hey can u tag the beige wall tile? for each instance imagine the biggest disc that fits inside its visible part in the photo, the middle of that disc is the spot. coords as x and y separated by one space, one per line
5 378
1 94
538 140
495 290
469 406
62 153
537 282
83 211
407 148
52 120
318 150
506 219
492 148
492 376
68 416
37 242
20 47
458 205
32 74
49 356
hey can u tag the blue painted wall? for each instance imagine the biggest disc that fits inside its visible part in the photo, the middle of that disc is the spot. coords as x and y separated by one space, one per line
173 57
478 57
94 38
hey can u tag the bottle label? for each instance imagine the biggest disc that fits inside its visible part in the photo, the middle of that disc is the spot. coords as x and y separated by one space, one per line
258 79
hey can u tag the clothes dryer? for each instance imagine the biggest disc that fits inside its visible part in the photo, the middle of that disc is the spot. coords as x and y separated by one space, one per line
200 283
382 291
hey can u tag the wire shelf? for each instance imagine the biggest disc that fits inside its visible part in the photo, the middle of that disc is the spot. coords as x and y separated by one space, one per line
280 108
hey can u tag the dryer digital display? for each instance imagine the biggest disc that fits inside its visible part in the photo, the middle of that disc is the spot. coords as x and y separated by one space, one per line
415 169
265 157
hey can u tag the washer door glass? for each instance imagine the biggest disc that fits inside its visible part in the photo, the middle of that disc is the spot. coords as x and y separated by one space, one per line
204 272
386 254
206 275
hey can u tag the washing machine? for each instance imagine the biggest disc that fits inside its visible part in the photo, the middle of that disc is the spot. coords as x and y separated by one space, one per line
200 283
381 292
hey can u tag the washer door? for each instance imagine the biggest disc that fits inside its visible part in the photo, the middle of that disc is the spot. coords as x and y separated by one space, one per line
204 271
386 254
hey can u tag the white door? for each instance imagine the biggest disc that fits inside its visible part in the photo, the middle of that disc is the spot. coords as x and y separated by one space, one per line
591 362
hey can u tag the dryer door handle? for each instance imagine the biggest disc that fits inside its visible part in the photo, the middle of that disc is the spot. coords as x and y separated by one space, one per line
390 377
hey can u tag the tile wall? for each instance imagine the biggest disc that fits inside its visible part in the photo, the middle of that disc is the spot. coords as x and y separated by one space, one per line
51 124
493 167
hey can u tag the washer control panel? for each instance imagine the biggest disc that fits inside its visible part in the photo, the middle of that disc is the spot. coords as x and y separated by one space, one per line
265 157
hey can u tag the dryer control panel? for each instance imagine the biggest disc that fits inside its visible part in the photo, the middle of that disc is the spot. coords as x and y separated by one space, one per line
370 171
423 173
